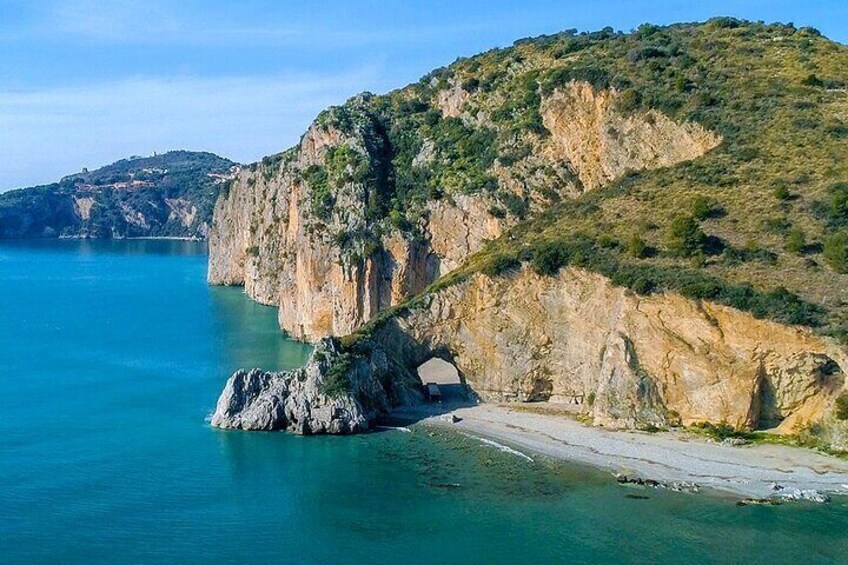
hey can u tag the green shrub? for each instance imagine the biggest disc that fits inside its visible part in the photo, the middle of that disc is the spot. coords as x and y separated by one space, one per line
497 212
674 419
777 225
598 78
501 264
796 241
337 381
704 208
685 237
629 101
838 194
751 252
514 204
322 196
252 251
781 192
812 80
637 247
836 252
719 432
548 259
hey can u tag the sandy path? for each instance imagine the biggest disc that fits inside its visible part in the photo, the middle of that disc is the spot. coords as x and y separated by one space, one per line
668 457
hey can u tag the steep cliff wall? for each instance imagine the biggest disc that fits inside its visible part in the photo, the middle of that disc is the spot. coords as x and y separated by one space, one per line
629 360
307 230
327 272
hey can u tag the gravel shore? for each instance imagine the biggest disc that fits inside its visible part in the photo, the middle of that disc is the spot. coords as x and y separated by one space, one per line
750 471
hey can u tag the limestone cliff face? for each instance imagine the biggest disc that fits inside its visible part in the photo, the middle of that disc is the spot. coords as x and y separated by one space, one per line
628 360
298 230
267 236
602 143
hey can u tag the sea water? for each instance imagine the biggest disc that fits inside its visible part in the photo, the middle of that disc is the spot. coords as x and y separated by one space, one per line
112 355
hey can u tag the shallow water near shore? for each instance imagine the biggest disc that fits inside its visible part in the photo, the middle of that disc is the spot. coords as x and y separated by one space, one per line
113 354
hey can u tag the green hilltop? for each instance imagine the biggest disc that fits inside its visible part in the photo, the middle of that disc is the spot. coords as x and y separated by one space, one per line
166 195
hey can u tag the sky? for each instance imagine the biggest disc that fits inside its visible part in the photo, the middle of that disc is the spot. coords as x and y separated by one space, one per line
85 82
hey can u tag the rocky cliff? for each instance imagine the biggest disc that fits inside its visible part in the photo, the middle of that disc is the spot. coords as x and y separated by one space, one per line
626 360
300 230
633 224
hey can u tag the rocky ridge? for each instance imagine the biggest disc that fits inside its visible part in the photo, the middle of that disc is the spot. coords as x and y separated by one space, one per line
167 195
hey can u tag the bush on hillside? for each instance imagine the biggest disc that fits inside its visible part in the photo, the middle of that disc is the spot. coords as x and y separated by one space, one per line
704 208
796 241
637 247
841 407
685 237
838 194
501 264
836 252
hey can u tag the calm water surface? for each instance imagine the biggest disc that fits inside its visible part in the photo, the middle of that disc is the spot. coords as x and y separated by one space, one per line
111 357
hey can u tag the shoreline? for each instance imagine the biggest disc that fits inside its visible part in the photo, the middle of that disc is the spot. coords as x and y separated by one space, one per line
669 458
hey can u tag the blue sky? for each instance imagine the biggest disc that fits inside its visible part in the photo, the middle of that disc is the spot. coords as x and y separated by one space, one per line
85 82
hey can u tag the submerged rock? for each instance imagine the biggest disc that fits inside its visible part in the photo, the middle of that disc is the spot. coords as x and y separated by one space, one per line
759 502
332 394
677 486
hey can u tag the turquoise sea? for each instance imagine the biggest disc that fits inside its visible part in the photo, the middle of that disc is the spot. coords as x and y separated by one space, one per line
112 355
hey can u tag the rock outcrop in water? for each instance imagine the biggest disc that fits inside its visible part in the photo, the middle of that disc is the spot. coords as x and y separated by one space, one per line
332 394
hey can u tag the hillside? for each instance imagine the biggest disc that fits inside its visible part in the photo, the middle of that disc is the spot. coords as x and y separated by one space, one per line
167 195
698 168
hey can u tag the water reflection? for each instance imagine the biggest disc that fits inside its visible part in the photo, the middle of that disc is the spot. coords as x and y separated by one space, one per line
88 247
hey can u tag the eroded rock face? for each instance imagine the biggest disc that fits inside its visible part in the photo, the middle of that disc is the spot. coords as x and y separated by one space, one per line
602 143
629 361
305 401
266 235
